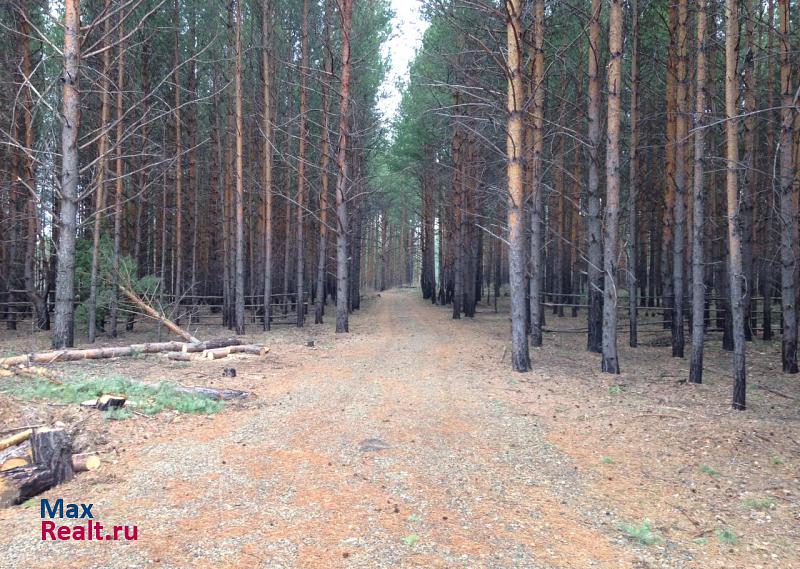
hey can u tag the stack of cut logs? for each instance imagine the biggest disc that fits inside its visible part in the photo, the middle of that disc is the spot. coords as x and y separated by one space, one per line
182 351
34 460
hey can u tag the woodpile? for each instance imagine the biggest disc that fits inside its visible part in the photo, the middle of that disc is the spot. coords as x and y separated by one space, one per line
179 351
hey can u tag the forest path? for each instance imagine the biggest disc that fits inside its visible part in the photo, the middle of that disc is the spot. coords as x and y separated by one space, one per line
467 480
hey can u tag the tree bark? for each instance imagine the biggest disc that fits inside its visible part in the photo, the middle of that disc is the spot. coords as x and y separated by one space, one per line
788 201
535 152
342 288
301 169
322 260
732 191
679 206
266 69
610 363
698 198
633 185
239 176
64 322
593 203
520 359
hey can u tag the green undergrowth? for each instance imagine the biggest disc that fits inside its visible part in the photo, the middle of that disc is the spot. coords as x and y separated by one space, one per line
640 533
145 399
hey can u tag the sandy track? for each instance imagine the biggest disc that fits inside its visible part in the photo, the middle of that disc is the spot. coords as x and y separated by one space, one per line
468 480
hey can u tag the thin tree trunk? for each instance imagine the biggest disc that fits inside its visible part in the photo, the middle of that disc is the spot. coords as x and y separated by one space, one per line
301 169
37 300
266 69
537 187
102 148
239 176
177 286
679 206
767 279
749 160
342 289
322 260
593 204
732 191
633 184
118 195
698 198
788 202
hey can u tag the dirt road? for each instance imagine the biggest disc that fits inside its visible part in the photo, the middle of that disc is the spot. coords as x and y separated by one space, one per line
400 445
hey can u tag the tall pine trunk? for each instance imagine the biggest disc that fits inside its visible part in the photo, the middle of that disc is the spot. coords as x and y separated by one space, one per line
633 184
266 69
239 285
679 206
301 170
788 202
64 321
698 199
342 288
610 362
535 153
593 202
732 192
520 359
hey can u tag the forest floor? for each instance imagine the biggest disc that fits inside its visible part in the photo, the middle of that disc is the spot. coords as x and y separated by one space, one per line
410 443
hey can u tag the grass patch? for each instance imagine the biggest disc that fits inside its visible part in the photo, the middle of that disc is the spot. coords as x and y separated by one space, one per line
759 503
615 390
640 533
700 540
777 461
148 400
411 539
708 470
607 460
726 535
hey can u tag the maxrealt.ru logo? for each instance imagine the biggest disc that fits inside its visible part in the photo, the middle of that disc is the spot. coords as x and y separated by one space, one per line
88 531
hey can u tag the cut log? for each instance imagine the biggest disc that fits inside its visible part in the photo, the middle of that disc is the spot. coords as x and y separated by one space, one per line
157 347
14 462
76 355
15 439
109 401
251 349
22 450
179 356
216 354
210 345
23 482
153 313
85 462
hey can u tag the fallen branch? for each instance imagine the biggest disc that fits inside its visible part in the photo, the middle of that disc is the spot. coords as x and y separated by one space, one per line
151 312
216 394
